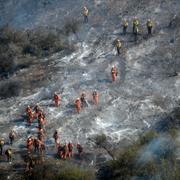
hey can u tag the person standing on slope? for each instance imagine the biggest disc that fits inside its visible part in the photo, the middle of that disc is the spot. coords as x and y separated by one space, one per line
95 95
78 105
125 26
1 145
149 25
57 99
118 46
113 73
8 154
85 14
12 136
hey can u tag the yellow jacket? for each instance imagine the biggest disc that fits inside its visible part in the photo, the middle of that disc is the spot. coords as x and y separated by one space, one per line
85 12
118 44
135 22
149 24
125 23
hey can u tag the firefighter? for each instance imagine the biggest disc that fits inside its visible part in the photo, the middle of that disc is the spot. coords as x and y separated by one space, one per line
95 95
1 145
113 73
57 99
83 100
85 14
30 143
12 136
41 120
29 114
65 151
149 26
56 137
70 148
135 24
118 46
38 110
8 154
78 105
125 26
41 134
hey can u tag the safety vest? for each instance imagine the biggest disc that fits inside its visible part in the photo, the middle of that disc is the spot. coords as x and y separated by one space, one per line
150 24
135 22
118 44
86 12
125 24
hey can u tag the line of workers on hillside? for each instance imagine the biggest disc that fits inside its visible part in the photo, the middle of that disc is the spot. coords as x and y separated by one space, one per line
37 144
66 150
125 25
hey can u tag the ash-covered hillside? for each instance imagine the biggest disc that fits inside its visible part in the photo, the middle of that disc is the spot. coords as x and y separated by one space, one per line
148 81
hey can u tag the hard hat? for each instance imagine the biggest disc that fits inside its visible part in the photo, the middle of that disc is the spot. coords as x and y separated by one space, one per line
149 20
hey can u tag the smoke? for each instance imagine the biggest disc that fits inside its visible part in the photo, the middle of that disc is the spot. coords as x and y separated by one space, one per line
161 147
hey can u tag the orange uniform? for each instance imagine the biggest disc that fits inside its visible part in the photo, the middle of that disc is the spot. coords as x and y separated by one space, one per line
41 134
65 151
30 144
113 73
70 147
57 100
96 97
29 114
78 105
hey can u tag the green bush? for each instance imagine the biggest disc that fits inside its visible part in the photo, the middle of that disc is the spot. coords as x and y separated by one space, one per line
7 64
9 89
147 137
15 45
53 170
161 165
100 140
